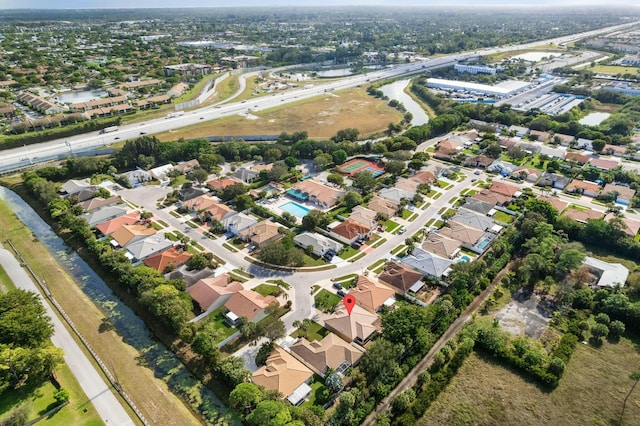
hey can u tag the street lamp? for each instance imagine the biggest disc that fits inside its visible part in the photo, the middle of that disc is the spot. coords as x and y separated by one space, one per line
69 146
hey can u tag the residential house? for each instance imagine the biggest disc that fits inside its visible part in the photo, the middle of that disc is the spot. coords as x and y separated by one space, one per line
396 195
383 206
272 189
467 235
350 231
187 166
505 144
247 304
557 203
540 135
557 153
519 131
583 143
311 190
73 186
505 189
527 174
219 184
190 192
480 161
492 198
609 274
565 140
628 226
128 234
479 206
160 172
246 175
137 177
110 226
98 202
364 216
447 149
623 194
83 194
146 247
319 243
39 104
408 185
603 164
169 258
260 167
218 212
441 245
103 214
177 90
358 327
473 219
584 187
428 264
329 353
582 216
577 158
262 233
237 223
285 375
370 294
211 293
199 204
401 278
424 177
553 180
615 150
503 167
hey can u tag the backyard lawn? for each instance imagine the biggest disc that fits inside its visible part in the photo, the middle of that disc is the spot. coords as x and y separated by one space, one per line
325 301
503 217
314 332
222 329
267 290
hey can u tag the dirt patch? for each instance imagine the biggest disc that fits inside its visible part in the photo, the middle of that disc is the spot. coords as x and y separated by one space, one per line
321 117
525 315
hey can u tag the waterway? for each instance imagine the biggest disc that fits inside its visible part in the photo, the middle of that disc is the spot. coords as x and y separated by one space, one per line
77 97
395 91
594 118
161 360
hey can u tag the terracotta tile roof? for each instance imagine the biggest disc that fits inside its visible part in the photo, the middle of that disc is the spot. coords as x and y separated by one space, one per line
350 229
584 185
221 183
129 233
424 177
582 215
399 277
110 226
603 164
630 226
329 352
464 234
202 202
248 303
542 136
617 149
282 373
187 166
360 325
557 203
170 257
491 197
504 189
623 191
219 211
578 158
206 291
440 245
383 206
371 294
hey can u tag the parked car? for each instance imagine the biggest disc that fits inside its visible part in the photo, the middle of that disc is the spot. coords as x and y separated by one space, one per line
341 293
402 231
356 244
337 286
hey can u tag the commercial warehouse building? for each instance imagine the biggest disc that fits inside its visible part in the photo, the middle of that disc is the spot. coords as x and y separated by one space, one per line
503 89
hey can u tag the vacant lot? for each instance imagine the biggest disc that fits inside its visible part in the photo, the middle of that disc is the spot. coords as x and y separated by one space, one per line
321 117
590 392
150 394
614 69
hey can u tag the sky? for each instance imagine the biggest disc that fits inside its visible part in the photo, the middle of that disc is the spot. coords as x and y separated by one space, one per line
103 4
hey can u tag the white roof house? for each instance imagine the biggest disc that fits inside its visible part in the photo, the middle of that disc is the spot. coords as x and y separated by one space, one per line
427 263
320 243
161 172
104 214
238 222
146 247
610 273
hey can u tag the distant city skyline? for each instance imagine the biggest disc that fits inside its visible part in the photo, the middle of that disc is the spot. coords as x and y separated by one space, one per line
148 4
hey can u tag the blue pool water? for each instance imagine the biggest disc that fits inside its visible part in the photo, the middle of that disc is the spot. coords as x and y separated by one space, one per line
295 209
483 244
464 258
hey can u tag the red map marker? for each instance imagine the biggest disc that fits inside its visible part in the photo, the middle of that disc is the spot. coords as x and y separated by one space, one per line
349 302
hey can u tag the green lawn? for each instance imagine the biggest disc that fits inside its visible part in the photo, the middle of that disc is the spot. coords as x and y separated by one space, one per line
503 217
229 247
391 226
280 283
267 290
178 181
325 300
313 261
378 242
347 252
398 249
223 330
345 278
413 217
406 213
5 282
314 332
317 386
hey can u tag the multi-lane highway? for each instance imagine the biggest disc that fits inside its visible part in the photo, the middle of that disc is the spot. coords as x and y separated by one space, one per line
37 153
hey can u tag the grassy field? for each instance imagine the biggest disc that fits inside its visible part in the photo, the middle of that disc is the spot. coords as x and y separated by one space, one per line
150 394
320 116
591 392
326 300
614 69
315 332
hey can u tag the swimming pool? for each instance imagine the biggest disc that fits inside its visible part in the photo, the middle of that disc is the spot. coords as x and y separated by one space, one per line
464 258
483 244
295 209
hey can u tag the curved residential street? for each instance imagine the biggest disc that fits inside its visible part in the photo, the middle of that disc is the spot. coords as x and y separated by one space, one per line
98 392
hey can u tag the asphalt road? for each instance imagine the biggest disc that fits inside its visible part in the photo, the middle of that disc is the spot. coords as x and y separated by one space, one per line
20 157
98 392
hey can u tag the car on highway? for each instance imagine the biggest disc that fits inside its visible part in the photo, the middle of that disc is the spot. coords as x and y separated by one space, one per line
116 138
201 118
143 133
